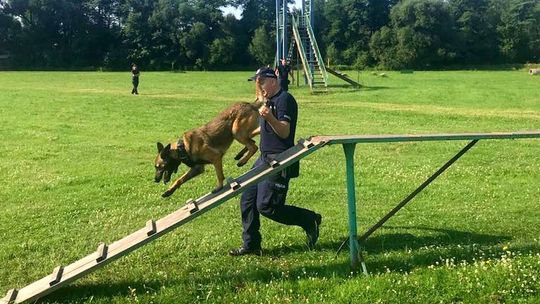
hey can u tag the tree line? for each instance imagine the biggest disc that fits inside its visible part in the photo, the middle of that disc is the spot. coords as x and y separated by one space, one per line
195 34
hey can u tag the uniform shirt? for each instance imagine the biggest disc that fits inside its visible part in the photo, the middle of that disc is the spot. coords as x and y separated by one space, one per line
284 71
135 72
284 108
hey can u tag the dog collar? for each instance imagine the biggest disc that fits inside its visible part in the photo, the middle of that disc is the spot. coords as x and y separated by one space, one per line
183 155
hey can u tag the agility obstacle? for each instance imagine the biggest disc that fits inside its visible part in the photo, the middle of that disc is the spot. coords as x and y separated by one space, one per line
295 34
106 253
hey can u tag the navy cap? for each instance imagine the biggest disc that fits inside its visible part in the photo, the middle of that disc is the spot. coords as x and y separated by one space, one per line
263 72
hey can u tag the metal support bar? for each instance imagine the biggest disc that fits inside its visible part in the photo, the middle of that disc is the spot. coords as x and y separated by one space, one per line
351 199
418 190
364 236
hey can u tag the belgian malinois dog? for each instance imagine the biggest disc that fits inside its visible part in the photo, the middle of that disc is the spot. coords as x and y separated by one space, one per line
208 144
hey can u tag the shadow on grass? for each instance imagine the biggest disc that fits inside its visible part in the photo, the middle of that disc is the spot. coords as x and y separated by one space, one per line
407 252
427 250
438 237
95 291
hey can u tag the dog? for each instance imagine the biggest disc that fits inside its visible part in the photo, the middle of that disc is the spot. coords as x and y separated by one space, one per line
208 144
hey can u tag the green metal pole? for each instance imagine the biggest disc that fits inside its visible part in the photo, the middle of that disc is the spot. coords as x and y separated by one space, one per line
351 198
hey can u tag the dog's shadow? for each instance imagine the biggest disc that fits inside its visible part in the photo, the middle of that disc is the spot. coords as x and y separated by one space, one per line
412 252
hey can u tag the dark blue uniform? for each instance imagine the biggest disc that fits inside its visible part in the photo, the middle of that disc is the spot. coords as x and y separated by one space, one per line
284 71
135 79
268 197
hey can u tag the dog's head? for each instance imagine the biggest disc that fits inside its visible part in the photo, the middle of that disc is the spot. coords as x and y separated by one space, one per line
260 94
165 164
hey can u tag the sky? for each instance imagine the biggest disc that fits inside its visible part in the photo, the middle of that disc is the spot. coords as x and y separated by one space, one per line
238 13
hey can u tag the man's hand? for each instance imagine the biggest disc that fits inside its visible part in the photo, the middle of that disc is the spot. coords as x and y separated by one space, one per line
282 128
266 113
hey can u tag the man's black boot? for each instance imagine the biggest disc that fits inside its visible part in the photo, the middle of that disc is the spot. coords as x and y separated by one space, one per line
312 233
245 251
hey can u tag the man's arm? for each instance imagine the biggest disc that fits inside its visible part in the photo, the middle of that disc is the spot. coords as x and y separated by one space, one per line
281 128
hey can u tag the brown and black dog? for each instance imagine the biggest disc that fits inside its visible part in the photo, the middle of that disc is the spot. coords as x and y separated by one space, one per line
208 144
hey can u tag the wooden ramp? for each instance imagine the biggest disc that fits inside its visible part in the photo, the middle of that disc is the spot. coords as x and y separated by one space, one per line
343 77
106 253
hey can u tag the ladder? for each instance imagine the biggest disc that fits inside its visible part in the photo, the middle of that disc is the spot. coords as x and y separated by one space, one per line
106 253
317 60
312 62
302 52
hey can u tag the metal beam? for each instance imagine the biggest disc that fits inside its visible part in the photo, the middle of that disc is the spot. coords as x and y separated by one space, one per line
347 139
351 203
417 190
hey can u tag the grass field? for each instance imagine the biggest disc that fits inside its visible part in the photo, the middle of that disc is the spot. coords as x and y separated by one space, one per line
76 170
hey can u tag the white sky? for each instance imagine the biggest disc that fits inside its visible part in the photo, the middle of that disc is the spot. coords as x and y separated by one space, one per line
238 13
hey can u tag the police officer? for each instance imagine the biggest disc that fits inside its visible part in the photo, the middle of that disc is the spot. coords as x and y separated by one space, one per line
283 71
135 73
277 128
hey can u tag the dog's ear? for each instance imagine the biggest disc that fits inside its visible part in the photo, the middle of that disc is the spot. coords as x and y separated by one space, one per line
159 147
165 151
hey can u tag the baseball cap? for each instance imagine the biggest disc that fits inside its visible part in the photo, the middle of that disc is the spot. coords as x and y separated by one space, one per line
263 72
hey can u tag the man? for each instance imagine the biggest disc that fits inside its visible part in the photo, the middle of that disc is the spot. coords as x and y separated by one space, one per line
135 78
283 70
277 128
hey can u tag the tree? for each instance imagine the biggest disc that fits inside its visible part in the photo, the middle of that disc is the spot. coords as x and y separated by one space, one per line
421 33
518 29
476 37
222 51
347 29
9 35
260 47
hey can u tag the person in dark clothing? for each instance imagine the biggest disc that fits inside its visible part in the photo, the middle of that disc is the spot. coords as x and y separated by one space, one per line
135 78
277 128
283 71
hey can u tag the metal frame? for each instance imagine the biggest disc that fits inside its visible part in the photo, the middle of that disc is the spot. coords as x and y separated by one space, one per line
349 143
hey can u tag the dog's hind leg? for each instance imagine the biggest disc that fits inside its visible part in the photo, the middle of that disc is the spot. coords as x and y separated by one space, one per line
250 146
245 149
255 132
194 171
241 153
243 131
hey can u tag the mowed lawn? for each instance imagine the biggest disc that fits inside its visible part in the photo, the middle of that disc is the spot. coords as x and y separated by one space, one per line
76 169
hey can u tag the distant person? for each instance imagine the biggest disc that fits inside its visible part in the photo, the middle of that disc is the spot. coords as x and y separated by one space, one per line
283 70
135 78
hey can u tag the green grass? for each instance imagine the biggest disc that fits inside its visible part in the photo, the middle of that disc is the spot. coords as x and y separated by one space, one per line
76 170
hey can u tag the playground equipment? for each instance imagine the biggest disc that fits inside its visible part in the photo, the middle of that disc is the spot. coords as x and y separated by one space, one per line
302 40
106 253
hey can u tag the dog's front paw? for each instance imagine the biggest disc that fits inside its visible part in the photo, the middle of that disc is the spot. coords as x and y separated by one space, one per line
167 193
